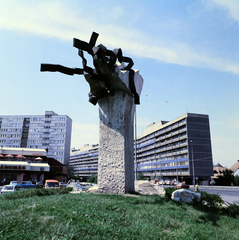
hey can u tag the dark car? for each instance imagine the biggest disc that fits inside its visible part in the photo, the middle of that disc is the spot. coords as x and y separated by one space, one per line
63 184
182 185
39 184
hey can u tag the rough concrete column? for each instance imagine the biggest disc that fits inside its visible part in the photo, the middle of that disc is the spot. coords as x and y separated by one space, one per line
116 143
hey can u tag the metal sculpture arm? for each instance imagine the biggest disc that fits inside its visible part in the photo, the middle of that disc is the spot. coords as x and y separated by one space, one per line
100 77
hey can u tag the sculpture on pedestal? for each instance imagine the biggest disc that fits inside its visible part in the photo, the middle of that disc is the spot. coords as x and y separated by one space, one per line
116 88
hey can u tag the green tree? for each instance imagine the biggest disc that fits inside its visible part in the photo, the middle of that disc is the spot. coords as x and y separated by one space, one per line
236 180
226 179
70 172
93 178
141 176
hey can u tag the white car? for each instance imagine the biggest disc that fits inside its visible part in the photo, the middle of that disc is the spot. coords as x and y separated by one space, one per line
9 188
13 183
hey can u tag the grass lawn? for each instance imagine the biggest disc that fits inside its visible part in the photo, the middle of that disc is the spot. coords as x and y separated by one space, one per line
102 216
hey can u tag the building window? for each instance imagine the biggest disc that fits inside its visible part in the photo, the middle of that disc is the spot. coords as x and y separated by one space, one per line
60 124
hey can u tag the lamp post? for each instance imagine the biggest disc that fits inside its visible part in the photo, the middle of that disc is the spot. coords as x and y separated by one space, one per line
160 172
193 163
135 146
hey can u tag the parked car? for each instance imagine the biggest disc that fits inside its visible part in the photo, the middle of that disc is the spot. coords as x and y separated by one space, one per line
167 182
39 184
182 185
13 183
26 184
63 184
154 181
174 183
10 188
51 183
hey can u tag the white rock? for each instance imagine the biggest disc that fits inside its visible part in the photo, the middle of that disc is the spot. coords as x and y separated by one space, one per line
185 196
147 188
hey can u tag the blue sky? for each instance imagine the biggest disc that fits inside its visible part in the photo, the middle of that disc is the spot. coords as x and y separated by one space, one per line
186 51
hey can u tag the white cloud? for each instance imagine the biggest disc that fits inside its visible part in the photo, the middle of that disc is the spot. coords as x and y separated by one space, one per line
49 19
224 138
84 134
232 6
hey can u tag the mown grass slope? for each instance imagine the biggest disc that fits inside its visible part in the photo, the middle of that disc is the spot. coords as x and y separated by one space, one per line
105 216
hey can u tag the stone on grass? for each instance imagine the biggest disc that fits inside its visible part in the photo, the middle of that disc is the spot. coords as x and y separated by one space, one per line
148 188
185 196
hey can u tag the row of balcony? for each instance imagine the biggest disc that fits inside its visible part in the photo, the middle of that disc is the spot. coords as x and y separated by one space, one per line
155 146
162 131
162 144
166 174
163 154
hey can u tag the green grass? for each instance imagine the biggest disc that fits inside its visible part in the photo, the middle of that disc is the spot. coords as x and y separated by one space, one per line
105 216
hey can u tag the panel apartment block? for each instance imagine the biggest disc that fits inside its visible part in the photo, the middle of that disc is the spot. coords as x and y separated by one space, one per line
50 131
179 149
85 160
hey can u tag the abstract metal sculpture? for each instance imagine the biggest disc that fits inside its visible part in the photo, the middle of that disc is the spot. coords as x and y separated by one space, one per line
116 89
102 79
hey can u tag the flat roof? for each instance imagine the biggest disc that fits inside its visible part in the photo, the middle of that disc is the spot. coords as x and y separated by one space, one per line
23 151
153 127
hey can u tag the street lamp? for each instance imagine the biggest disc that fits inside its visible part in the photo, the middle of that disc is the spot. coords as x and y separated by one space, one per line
135 147
193 163
160 172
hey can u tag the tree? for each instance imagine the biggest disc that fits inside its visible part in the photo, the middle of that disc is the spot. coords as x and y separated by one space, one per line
71 172
141 176
236 180
93 178
226 179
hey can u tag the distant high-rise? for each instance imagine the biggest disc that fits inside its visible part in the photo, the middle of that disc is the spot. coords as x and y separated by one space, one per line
50 131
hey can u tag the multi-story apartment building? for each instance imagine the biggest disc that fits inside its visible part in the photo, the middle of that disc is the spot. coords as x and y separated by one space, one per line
50 131
85 160
178 149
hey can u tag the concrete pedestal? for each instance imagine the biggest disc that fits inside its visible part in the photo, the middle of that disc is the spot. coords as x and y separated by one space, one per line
116 143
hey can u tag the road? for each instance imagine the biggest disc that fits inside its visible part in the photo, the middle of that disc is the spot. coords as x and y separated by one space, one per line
228 194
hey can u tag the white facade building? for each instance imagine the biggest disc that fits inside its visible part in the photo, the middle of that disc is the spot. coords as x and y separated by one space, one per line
50 131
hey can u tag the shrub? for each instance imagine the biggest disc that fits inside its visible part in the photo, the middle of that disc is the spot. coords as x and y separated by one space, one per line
168 192
93 178
141 176
36 192
211 200
232 210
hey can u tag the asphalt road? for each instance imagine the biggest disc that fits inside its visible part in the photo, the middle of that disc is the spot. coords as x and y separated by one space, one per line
228 194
